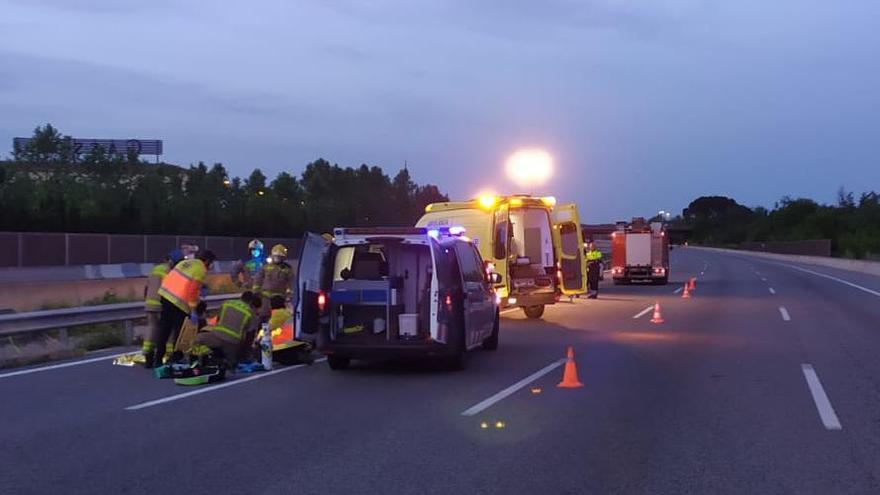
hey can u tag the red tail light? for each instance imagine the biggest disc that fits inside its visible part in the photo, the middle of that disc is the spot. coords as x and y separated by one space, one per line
448 302
322 301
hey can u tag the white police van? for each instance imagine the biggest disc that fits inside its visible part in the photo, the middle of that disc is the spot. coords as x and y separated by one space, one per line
394 291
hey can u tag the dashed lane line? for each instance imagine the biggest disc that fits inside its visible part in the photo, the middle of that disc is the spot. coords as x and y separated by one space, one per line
487 403
232 383
676 291
772 290
643 312
784 313
820 398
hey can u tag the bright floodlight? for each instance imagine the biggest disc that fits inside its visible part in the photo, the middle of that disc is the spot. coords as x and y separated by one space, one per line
530 167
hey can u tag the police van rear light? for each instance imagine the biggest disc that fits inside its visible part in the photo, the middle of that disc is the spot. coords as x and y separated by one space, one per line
322 301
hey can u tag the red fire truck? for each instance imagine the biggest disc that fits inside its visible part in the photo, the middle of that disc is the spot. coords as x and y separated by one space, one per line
640 251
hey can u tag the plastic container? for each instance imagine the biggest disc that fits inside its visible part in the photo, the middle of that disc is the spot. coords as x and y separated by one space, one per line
408 324
266 348
379 325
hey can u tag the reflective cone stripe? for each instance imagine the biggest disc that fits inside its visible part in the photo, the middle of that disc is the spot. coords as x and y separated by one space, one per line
687 293
657 317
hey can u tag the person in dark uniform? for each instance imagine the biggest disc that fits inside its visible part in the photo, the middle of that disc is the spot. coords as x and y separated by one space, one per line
594 256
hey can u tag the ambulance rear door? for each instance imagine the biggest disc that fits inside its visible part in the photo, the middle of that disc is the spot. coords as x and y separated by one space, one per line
568 243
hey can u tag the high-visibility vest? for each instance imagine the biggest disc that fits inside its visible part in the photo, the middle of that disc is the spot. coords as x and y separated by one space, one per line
152 303
234 320
181 286
594 255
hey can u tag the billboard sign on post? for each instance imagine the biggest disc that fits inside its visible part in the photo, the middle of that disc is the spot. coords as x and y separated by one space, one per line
111 146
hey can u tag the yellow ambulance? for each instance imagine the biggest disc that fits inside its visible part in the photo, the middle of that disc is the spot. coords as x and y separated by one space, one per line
534 244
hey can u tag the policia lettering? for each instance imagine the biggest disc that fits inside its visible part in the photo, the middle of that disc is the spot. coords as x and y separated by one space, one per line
179 296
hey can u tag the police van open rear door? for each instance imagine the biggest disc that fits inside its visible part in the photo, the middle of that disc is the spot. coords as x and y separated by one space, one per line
569 245
309 280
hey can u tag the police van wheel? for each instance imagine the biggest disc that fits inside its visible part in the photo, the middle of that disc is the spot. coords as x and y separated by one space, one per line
491 343
338 363
534 312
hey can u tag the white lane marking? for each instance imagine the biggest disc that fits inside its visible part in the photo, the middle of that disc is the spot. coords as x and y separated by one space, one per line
62 365
482 406
643 312
763 279
676 291
826 411
784 313
772 290
842 281
172 398
508 311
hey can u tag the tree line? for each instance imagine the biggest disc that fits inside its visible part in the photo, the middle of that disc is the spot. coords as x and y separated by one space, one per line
852 224
46 187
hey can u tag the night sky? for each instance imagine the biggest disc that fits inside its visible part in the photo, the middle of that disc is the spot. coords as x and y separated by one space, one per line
643 104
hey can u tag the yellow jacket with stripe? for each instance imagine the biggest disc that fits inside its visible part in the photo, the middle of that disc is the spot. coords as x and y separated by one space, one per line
152 303
236 319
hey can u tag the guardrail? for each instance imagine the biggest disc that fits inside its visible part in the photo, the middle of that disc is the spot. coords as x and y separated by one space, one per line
61 319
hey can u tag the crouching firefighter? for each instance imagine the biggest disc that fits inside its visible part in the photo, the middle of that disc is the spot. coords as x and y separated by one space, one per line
286 349
221 344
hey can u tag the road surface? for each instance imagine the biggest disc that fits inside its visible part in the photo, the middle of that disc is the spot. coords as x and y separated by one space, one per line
767 380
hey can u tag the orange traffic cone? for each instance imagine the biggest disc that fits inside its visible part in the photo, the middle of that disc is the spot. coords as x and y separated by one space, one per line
570 376
693 283
687 293
657 318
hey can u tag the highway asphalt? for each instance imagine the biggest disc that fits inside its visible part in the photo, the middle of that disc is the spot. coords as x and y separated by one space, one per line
743 389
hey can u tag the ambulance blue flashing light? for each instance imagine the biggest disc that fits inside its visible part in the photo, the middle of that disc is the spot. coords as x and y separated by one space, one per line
455 231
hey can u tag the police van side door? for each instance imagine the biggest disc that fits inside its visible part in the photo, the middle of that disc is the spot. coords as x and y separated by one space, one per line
568 243
310 276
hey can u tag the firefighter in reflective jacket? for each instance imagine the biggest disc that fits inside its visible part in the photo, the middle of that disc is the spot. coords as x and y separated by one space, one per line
594 256
179 296
244 272
225 340
152 302
273 279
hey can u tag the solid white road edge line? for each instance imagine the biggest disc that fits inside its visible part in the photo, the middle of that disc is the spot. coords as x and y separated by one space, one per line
676 291
172 398
64 365
772 290
829 277
508 311
823 405
644 312
482 406
784 313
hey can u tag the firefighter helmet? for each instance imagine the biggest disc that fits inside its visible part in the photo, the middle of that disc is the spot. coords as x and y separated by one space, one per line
279 250
255 244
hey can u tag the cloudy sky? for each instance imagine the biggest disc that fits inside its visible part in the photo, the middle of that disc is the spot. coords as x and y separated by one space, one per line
644 104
